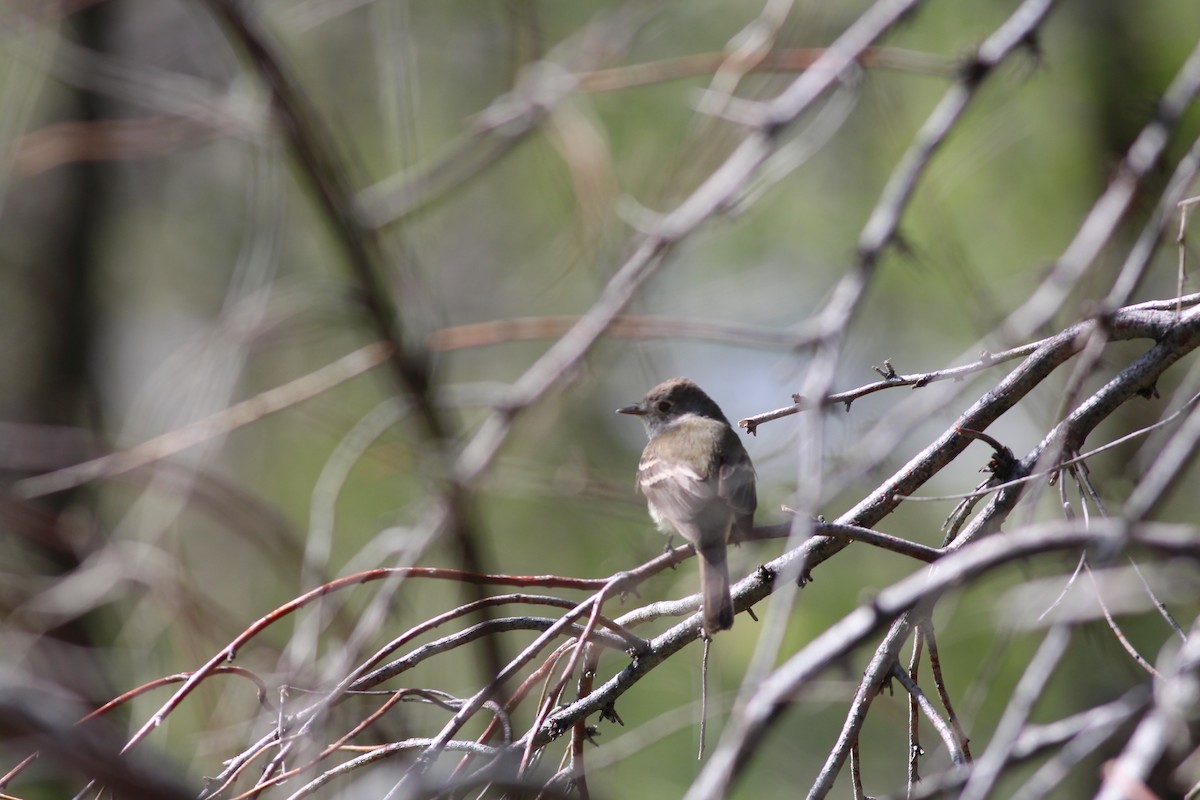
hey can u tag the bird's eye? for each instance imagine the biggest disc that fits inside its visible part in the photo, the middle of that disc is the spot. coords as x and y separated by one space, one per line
664 406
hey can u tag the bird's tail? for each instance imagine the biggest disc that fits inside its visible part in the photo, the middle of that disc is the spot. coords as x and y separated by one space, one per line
714 588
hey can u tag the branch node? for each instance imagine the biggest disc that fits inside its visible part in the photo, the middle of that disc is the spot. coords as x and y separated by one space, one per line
1002 463
888 372
609 714
765 573
973 70
1032 42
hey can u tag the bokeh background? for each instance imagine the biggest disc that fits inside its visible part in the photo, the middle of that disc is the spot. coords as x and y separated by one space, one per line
161 260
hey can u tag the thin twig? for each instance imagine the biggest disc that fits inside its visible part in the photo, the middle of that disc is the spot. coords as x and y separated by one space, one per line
931 714
1081 459
986 770
215 425
918 380
939 682
890 607
914 715
1077 735
1157 731
786 60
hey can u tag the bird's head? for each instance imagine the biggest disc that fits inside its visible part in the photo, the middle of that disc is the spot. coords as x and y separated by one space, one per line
670 400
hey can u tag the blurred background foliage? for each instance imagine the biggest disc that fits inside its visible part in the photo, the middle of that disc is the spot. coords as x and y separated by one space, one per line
162 269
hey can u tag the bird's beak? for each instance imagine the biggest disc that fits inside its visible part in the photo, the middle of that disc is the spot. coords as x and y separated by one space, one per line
635 410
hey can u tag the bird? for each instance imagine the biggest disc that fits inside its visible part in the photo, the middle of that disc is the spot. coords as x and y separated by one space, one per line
698 480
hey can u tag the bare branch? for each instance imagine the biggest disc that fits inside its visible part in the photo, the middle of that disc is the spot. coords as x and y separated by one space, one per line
1157 732
747 730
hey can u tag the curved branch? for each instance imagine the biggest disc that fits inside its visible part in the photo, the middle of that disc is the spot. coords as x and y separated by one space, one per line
747 730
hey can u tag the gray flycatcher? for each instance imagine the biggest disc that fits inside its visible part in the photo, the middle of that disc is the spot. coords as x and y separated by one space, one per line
697 479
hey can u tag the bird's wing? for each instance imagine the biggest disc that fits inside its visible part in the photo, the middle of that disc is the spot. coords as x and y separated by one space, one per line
681 494
676 490
736 479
